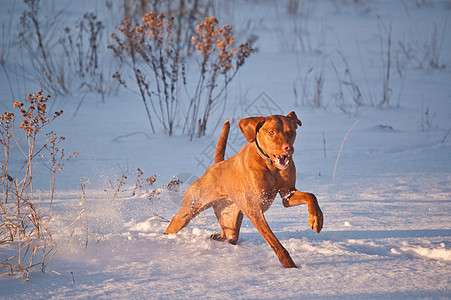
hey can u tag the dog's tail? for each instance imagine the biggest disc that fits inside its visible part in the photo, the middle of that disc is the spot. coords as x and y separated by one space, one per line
222 142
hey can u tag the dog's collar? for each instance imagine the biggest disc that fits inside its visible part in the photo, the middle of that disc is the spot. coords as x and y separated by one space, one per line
260 151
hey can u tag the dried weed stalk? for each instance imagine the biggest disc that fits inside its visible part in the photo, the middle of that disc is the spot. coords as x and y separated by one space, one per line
142 184
386 57
184 13
57 159
83 47
36 37
80 223
63 52
152 50
347 80
116 189
24 220
220 58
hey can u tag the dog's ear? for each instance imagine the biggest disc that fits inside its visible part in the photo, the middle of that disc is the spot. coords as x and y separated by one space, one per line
250 126
292 115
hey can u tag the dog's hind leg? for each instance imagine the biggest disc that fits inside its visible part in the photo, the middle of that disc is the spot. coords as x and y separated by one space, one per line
194 200
192 204
230 218
179 221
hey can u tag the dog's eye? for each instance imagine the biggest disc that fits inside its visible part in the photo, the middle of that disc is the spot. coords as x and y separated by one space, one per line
271 132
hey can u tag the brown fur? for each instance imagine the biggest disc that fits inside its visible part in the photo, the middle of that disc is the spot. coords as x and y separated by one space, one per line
248 182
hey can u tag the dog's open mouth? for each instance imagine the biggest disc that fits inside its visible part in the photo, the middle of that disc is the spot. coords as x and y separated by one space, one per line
281 161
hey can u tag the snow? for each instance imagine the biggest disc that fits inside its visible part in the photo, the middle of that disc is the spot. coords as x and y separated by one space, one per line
387 231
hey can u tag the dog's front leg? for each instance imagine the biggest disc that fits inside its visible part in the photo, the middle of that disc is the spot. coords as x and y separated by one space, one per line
259 221
315 214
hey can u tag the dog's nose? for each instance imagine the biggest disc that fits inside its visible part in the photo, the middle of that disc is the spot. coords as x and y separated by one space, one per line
288 148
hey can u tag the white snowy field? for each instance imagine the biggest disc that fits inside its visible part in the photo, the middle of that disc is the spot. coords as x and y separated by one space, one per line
387 206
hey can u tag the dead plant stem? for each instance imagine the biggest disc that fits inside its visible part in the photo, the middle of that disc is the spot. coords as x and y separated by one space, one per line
341 148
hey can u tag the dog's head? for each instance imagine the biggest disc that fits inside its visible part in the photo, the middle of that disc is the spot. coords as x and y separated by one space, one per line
273 135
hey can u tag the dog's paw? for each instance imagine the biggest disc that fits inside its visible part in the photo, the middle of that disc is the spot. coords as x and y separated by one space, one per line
285 259
220 238
315 221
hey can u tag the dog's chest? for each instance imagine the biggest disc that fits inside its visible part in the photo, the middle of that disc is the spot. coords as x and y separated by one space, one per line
271 187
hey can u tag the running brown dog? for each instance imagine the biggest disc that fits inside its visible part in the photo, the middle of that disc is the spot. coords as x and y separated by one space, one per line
248 182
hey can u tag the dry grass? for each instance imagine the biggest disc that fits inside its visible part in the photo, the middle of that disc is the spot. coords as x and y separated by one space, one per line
341 148
220 57
142 189
153 51
48 44
24 217
80 223
142 184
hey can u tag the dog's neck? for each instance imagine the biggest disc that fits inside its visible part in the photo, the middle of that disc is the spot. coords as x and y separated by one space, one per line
260 150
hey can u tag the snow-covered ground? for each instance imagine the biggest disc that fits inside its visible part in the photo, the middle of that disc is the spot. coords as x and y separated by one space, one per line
387 231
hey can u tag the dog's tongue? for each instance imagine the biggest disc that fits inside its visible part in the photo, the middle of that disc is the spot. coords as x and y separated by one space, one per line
281 161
